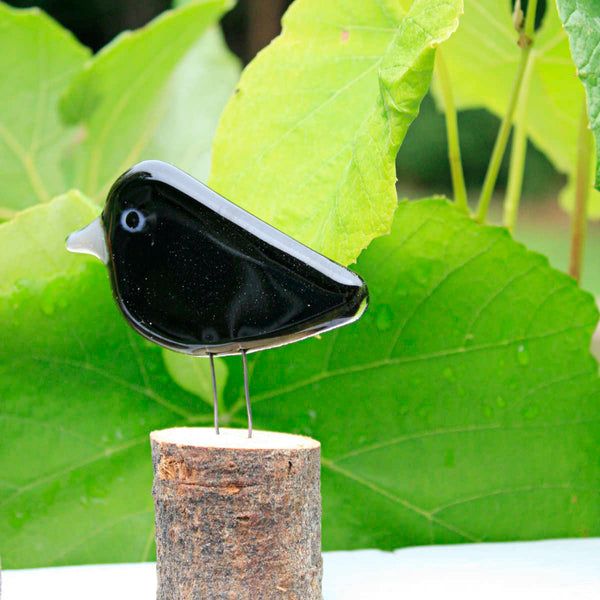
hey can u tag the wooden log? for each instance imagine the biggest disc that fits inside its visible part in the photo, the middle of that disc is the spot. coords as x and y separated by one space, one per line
237 518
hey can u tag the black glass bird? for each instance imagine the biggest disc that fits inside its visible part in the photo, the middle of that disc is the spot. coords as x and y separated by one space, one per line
195 273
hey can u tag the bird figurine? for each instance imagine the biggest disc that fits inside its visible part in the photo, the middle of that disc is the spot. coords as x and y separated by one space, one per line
193 272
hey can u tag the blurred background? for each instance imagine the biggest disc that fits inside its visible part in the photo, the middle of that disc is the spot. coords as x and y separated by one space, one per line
422 163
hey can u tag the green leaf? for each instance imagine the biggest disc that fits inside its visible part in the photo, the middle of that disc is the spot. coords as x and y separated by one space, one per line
33 243
37 59
581 19
482 58
196 93
194 375
309 141
80 394
463 406
153 93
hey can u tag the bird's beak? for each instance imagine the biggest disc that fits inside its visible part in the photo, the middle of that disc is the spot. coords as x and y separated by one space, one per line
89 240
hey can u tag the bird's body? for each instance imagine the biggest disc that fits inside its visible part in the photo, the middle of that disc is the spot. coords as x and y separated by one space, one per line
195 273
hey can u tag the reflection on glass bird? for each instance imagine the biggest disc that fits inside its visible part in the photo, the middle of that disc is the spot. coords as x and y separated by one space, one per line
193 272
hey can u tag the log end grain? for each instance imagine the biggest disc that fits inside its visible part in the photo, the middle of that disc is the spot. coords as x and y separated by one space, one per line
232 438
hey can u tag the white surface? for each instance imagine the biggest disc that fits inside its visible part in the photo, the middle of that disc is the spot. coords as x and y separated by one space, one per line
549 570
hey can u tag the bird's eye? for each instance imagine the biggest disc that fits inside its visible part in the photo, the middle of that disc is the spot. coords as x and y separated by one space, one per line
132 220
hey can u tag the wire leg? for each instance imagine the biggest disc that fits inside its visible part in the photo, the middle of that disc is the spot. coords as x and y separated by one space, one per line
214 384
247 391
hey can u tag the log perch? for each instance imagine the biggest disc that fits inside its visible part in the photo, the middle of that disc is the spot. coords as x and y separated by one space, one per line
236 518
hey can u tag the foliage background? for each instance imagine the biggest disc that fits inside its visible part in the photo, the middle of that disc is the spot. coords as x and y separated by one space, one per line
463 406
422 160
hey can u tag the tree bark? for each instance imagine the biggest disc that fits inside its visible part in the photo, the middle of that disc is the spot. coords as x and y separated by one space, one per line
237 518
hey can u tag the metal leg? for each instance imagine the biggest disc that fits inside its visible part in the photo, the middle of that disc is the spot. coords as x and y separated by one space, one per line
214 384
247 391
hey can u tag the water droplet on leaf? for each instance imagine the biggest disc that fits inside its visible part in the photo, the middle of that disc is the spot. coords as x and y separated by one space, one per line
16 519
530 412
47 305
384 318
523 356
448 374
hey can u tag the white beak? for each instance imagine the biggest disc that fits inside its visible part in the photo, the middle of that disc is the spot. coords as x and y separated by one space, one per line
89 240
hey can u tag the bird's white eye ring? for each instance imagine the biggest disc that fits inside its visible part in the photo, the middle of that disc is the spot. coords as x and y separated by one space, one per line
132 220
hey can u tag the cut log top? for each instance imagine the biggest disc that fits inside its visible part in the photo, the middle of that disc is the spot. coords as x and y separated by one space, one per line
204 437
200 457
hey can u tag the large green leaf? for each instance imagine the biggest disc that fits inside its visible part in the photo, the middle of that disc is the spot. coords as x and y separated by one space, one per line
464 405
581 20
80 393
482 59
37 59
153 93
309 141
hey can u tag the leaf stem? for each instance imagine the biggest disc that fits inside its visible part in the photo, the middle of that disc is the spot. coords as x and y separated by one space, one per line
454 158
582 189
501 140
526 35
529 29
517 155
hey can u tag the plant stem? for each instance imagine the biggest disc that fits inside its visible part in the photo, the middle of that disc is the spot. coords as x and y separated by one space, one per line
517 155
529 28
501 141
454 158
525 42
582 188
